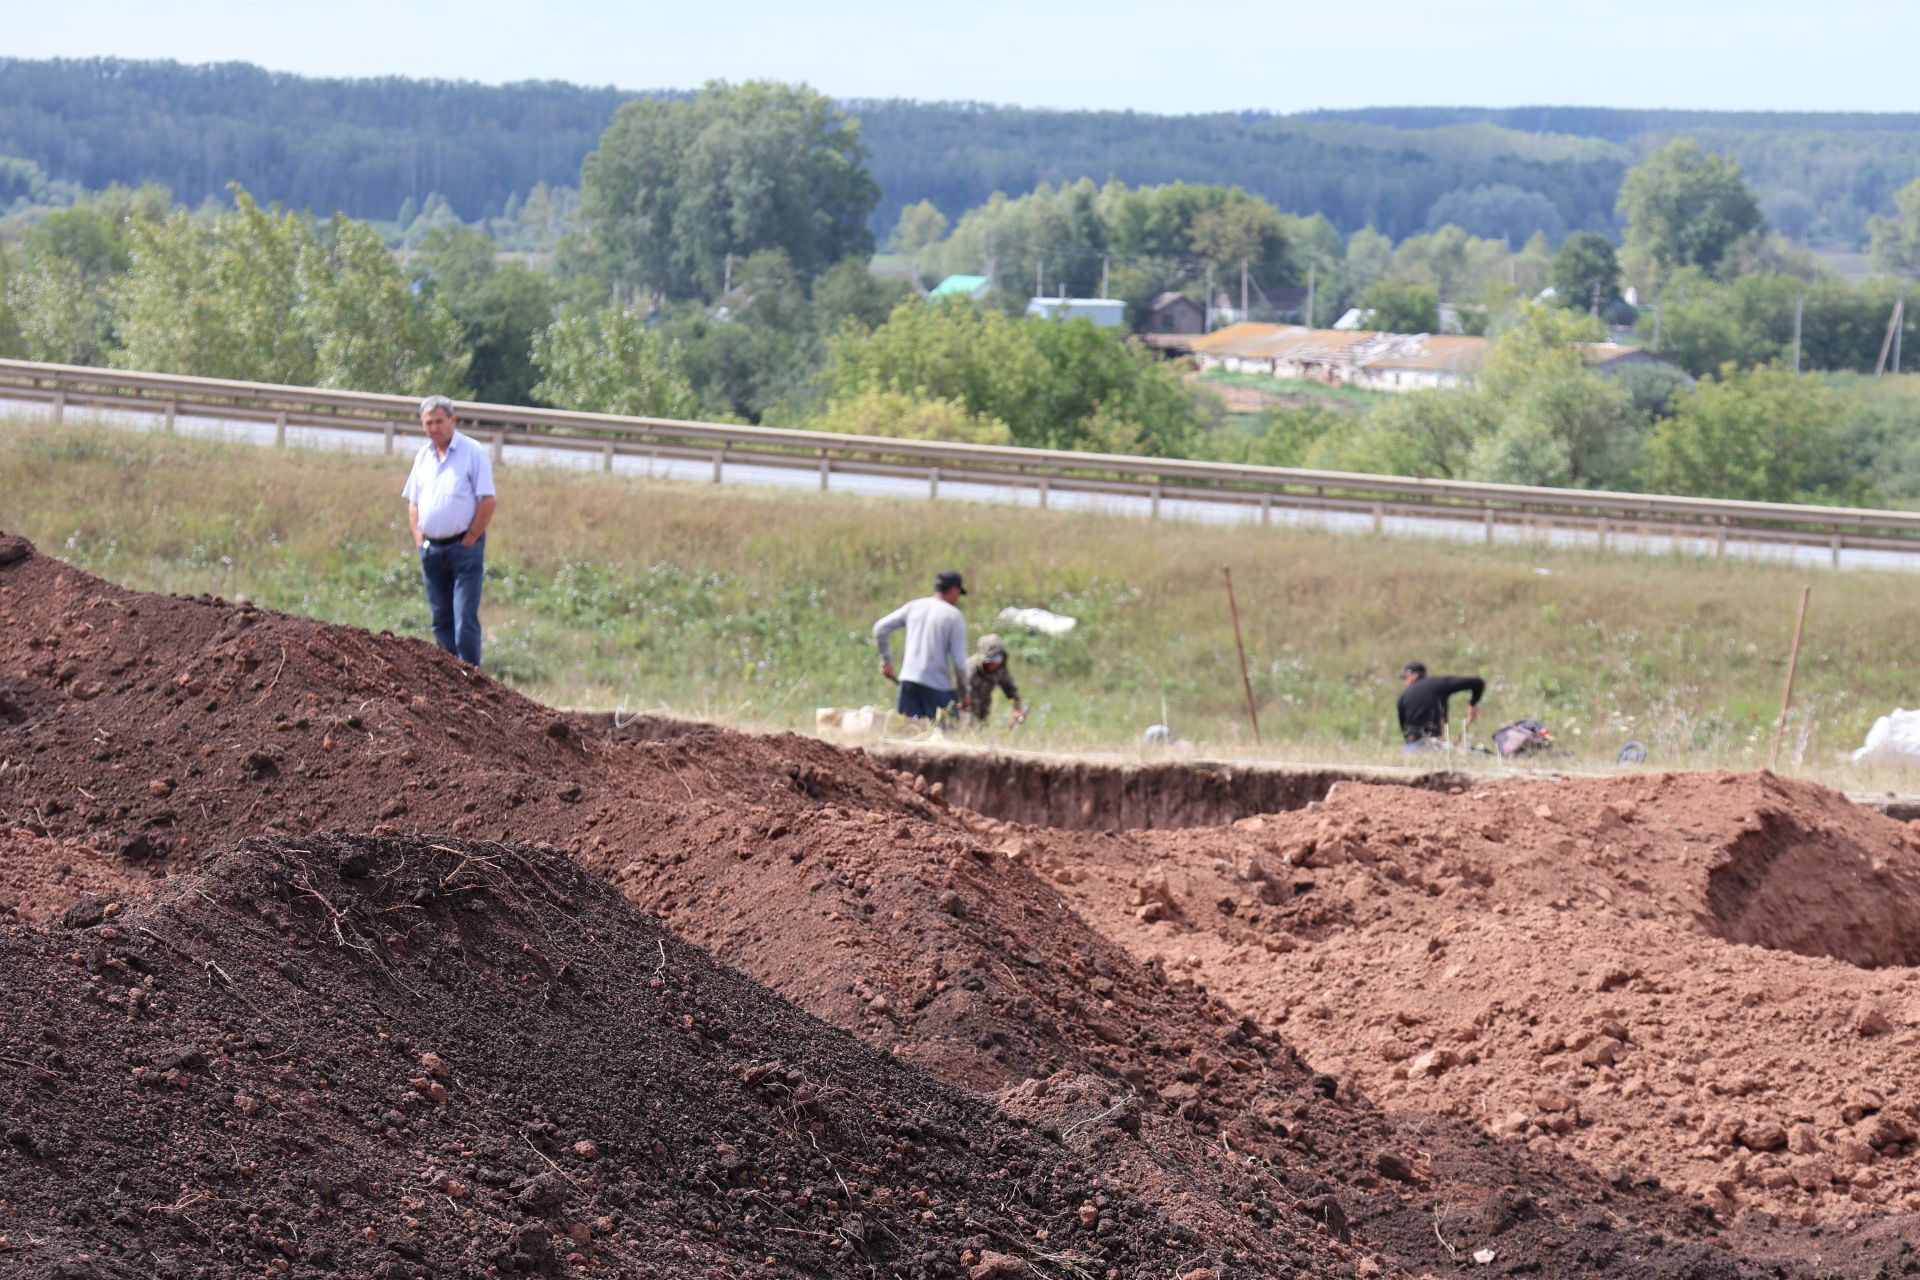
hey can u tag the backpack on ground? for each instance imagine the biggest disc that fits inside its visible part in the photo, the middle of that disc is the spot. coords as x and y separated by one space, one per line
1522 738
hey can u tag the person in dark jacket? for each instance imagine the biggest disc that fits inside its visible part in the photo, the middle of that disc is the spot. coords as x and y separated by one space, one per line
1423 703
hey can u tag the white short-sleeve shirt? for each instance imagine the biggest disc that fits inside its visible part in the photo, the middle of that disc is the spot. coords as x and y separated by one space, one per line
448 490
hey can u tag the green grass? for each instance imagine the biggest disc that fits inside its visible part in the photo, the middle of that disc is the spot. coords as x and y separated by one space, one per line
753 606
1304 390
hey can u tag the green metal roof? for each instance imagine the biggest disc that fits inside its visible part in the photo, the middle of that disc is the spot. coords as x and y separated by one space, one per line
958 287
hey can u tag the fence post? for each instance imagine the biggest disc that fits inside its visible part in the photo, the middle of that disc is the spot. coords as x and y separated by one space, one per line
826 470
1486 520
280 430
933 482
1266 510
1043 493
1603 533
499 445
1833 546
1720 541
386 438
1379 519
167 426
606 456
59 406
719 463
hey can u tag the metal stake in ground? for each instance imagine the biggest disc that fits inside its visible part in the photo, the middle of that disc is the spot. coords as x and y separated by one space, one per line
1246 681
1793 665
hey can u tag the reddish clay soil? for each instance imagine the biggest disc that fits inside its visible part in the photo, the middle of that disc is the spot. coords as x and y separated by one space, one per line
142 736
1701 978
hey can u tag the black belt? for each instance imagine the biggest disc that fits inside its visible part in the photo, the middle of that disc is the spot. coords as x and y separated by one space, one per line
449 540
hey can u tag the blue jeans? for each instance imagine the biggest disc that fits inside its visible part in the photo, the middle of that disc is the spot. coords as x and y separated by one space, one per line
924 702
453 574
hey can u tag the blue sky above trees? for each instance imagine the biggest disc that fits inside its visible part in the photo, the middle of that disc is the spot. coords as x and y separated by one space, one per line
1150 56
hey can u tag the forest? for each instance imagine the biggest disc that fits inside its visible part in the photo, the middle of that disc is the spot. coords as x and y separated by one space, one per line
368 147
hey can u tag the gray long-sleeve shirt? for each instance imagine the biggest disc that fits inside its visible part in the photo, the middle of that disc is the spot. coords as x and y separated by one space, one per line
936 652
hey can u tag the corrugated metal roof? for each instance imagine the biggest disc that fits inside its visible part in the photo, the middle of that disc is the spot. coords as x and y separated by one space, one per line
1608 352
1445 353
958 287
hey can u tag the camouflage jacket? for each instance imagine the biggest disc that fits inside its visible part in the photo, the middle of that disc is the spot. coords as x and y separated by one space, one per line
982 682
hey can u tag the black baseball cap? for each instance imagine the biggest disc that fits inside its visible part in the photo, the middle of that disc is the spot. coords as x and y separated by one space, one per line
1414 669
948 578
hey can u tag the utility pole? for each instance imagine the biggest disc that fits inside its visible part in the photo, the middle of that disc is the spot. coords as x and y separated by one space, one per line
1206 324
1894 324
1596 299
1038 266
1310 267
1105 264
1899 323
1799 306
1243 290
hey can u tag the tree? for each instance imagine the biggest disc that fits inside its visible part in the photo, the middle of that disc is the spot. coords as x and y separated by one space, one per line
610 362
499 307
1498 211
1242 229
1554 421
1586 272
1896 240
1759 435
272 297
1684 208
1397 306
879 412
848 292
368 329
921 226
677 187
1055 384
12 345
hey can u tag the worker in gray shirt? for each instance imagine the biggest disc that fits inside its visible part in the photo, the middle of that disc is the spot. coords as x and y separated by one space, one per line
933 668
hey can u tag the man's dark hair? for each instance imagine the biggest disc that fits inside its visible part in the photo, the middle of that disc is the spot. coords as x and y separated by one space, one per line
1418 669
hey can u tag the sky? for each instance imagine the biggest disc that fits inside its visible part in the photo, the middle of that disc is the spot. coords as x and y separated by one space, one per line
1164 56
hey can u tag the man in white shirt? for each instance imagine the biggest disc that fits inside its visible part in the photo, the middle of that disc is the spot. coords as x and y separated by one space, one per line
933 668
450 502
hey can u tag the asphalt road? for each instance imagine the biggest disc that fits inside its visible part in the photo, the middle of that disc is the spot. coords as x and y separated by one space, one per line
746 473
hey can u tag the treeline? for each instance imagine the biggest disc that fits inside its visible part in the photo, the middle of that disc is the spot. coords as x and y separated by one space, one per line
1820 176
363 147
368 147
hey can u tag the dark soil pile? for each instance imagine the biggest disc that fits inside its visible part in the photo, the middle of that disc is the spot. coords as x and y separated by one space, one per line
375 1057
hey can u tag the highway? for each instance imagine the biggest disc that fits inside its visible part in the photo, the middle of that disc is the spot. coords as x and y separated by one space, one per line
516 452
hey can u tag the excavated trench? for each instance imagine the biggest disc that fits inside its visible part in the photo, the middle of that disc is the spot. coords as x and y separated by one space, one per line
1787 888
1096 795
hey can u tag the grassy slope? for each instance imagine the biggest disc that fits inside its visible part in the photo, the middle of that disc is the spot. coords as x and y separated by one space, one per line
754 605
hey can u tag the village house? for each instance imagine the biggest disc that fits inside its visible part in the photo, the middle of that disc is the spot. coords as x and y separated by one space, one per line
1106 313
1373 360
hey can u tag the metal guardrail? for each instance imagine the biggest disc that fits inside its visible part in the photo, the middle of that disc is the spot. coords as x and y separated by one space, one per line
1710 521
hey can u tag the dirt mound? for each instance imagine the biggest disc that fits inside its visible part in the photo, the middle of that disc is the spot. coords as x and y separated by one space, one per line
1551 960
386 1057
850 889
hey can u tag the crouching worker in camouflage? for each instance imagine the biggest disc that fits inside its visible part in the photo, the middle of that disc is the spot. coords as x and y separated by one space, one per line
987 670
